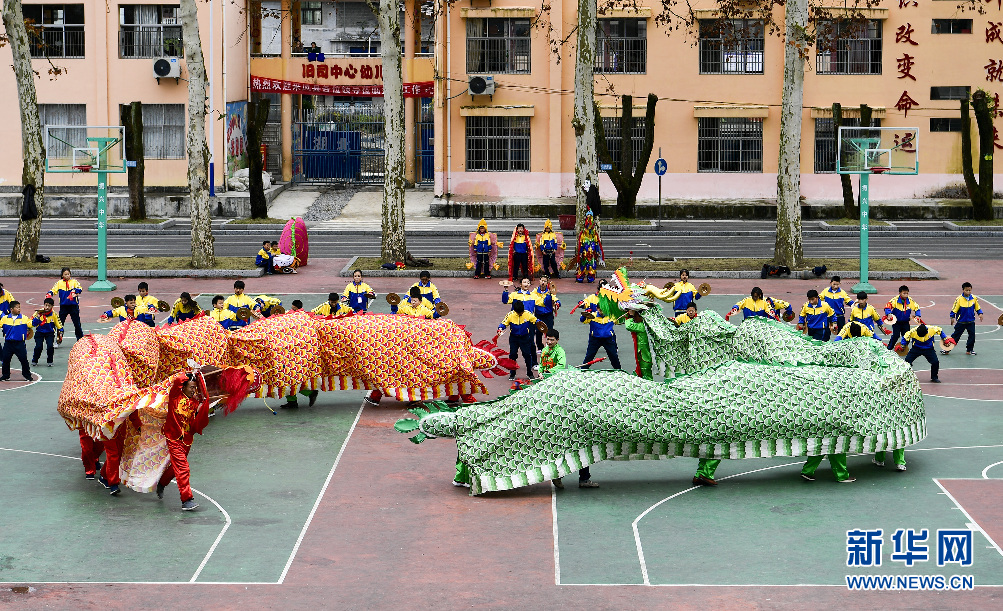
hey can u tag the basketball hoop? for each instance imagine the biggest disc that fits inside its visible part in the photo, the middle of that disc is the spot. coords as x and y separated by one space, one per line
83 168
877 170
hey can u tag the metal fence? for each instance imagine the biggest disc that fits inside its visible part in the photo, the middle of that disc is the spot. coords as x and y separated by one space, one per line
343 142
150 41
57 41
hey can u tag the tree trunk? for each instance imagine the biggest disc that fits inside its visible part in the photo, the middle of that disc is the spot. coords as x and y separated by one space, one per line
32 147
586 164
789 249
132 119
394 244
257 116
850 209
982 194
625 203
203 253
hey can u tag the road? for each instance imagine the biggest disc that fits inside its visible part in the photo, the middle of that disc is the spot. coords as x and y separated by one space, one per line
715 239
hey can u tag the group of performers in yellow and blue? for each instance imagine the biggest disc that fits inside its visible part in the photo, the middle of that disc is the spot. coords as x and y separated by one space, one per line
529 305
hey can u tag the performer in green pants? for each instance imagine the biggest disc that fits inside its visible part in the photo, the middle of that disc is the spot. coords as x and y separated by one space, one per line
642 351
836 461
897 455
705 472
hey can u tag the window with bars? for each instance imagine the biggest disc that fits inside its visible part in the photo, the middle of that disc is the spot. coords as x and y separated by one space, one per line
731 46
149 31
498 46
845 47
945 124
614 144
164 131
950 93
952 26
497 144
311 13
621 46
729 144
61 142
825 142
58 30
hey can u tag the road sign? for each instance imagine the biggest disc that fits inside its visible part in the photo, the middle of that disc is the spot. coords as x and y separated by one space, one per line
605 167
660 166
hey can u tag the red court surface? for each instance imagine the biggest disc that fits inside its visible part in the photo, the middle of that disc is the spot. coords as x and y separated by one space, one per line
388 534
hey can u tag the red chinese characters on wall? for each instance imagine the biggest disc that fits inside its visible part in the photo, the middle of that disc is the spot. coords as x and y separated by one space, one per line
905 63
366 72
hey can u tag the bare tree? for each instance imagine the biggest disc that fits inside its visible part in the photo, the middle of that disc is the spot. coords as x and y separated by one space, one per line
789 249
586 162
979 191
132 120
33 174
394 242
257 116
203 252
627 178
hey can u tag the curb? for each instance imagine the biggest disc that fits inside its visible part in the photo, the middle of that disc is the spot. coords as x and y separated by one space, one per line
975 229
888 226
928 274
147 226
140 273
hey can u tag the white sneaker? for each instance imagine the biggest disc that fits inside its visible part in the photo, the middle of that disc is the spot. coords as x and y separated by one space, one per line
900 467
877 462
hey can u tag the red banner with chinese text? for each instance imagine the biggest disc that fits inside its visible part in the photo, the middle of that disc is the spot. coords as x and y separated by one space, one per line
269 85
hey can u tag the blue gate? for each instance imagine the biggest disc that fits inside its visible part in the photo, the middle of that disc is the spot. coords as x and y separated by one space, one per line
343 142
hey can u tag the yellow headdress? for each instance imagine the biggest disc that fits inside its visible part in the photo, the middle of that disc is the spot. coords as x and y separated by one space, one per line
483 224
547 225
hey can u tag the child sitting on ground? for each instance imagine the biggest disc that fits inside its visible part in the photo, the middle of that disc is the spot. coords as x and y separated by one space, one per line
264 258
184 309
226 318
333 307
414 306
359 293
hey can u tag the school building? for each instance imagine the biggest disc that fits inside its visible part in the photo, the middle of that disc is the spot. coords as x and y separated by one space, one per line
488 104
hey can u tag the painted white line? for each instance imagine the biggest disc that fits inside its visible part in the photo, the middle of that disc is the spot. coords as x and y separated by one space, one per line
984 471
219 537
36 378
637 535
320 496
970 518
557 547
212 549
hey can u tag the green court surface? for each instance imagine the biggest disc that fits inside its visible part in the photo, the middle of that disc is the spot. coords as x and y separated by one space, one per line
265 474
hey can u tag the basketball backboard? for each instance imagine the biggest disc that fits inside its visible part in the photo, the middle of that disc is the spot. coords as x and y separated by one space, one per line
84 148
877 150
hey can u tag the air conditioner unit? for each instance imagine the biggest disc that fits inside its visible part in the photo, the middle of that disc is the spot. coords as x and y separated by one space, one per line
167 67
481 85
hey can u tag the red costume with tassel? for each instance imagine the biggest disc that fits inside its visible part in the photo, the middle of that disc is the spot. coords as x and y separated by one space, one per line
185 417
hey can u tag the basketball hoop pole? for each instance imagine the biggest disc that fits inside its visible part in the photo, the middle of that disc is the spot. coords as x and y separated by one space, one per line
865 222
102 284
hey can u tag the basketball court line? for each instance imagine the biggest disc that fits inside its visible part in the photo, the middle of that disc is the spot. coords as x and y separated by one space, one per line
640 550
219 537
37 378
205 560
971 521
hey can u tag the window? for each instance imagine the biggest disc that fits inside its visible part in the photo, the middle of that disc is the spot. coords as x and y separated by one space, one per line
943 124
611 128
848 48
621 46
731 46
311 13
164 131
149 31
949 93
63 141
61 31
825 142
732 144
497 144
952 26
498 46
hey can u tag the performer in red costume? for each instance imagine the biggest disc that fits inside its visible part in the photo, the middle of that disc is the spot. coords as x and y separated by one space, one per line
90 454
188 413
109 476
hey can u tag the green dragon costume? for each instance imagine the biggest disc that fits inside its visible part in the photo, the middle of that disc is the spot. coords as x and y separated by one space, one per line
757 390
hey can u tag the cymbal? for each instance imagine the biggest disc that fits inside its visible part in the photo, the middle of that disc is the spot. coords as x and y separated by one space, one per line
277 310
117 302
442 309
244 314
668 285
788 315
704 289
541 326
999 321
393 298
31 333
163 306
946 347
505 282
